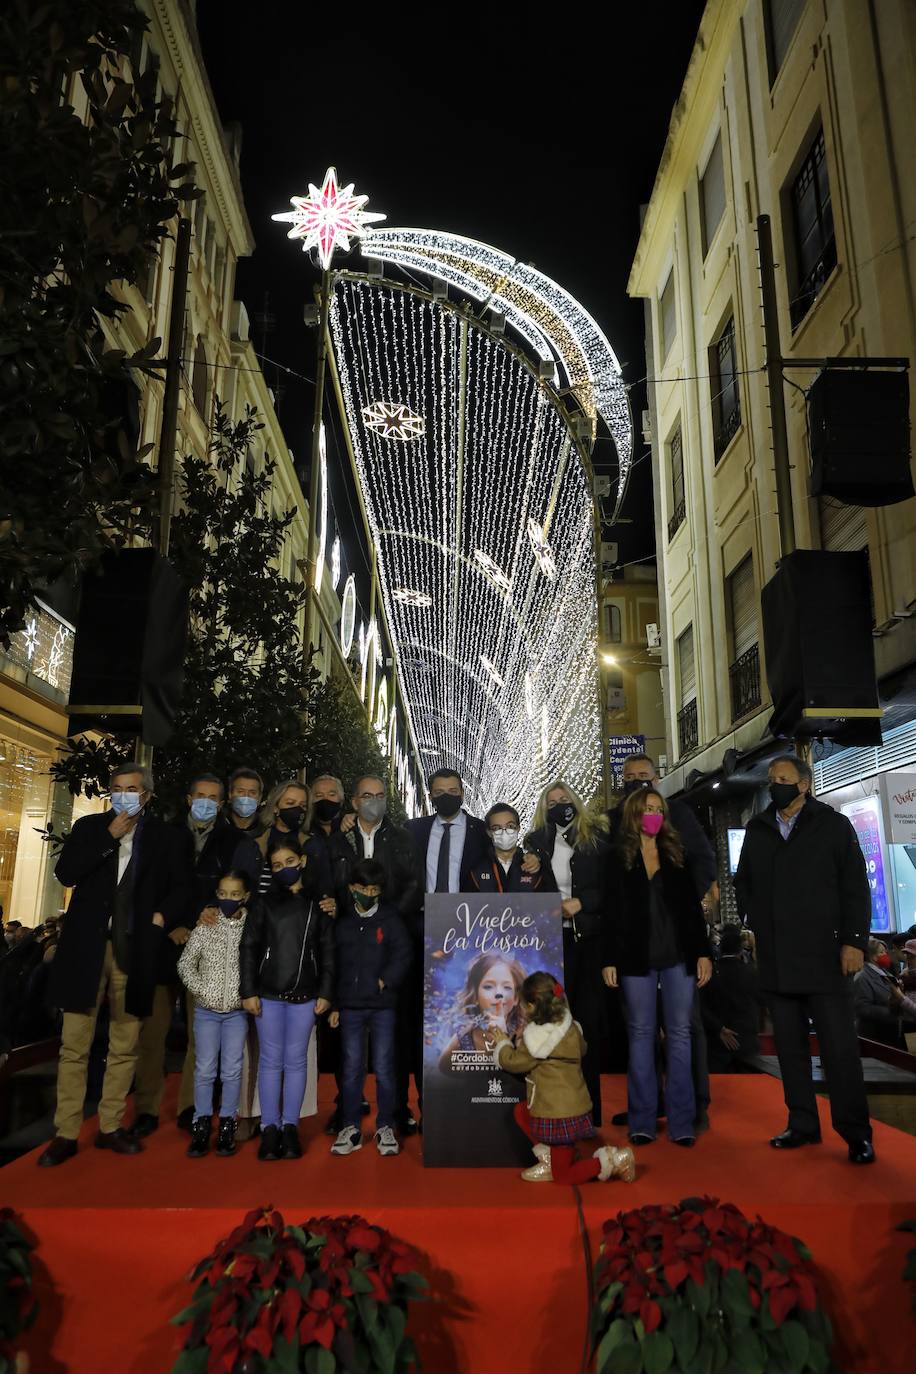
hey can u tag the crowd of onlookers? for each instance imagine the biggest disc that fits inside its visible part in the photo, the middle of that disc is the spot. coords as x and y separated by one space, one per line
25 959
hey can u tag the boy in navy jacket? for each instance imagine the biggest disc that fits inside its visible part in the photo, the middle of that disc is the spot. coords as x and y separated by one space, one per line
373 956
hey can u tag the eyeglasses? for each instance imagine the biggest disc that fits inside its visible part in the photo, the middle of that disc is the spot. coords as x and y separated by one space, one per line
369 796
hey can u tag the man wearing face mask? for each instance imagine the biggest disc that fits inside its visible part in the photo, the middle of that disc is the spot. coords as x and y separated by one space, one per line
218 847
446 846
327 793
802 884
246 788
131 875
880 1009
372 834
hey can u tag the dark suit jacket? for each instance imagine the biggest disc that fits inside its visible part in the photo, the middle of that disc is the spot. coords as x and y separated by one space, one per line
476 841
163 878
803 898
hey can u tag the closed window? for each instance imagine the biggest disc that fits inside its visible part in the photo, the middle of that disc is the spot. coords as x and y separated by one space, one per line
812 227
712 194
668 315
724 394
612 626
781 20
742 608
676 468
686 667
200 379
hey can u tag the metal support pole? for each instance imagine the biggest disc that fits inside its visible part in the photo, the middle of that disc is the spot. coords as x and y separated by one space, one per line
168 432
784 507
324 310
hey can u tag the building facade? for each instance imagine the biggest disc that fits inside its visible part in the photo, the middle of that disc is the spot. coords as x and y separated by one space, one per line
802 110
630 655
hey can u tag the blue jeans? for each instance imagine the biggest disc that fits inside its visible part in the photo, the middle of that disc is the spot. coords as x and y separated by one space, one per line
354 1025
284 1031
640 997
219 1039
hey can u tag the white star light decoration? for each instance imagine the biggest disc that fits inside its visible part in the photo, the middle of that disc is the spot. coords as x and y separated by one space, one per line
394 420
542 550
409 596
328 218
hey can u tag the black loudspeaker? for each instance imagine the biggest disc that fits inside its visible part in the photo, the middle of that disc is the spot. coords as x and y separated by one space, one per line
131 636
859 426
817 624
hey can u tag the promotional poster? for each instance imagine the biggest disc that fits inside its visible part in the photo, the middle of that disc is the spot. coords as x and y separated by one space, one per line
480 948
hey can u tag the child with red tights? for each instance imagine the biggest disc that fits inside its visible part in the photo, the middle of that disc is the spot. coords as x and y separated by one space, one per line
558 1112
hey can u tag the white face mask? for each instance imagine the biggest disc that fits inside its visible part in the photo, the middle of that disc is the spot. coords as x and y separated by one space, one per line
506 837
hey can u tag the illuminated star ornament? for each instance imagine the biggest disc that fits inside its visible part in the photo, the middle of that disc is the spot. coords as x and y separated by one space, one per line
328 218
393 420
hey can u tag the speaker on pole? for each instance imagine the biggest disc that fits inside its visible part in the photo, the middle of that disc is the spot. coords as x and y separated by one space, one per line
859 426
820 658
131 636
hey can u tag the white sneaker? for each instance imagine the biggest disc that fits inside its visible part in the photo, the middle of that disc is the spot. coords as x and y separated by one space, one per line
386 1141
348 1140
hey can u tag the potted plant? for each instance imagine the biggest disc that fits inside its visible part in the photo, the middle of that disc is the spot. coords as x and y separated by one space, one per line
329 1295
700 1288
18 1307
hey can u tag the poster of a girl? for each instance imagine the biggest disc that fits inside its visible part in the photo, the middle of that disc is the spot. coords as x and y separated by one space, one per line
490 997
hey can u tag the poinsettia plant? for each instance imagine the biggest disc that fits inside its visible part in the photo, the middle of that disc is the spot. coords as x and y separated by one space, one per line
909 1272
329 1295
701 1288
18 1307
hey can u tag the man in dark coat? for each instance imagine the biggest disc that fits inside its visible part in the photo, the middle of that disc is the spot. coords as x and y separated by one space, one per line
639 771
445 845
131 876
731 1004
219 846
802 884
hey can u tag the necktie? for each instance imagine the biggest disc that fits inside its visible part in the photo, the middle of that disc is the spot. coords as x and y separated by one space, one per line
442 867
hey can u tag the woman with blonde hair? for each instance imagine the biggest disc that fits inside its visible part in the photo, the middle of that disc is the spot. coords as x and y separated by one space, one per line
572 839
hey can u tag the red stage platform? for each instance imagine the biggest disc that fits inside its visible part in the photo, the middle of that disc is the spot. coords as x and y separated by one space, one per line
506 1259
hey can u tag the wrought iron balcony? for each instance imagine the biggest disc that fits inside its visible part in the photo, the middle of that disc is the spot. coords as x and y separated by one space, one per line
744 677
728 422
688 735
810 287
678 516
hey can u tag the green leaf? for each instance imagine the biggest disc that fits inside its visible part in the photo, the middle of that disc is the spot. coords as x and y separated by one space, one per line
748 1353
626 1359
657 1352
795 1343
818 1357
192 1361
319 1361
618 1333
699 1296
682 1326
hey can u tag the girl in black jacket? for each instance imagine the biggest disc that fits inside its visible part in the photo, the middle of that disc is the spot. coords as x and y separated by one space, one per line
286 964
571 840
657 937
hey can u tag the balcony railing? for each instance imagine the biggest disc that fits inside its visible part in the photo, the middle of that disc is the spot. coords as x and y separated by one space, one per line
688 737
744 677
728 422
810 287
678 517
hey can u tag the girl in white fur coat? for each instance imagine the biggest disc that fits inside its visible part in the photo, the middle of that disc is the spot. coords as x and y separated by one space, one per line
558 1112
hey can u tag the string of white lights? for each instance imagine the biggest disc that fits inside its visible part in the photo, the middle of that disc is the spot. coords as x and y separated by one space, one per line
494 628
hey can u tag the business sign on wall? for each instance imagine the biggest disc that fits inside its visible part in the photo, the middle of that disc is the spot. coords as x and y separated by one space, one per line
898 793
865 815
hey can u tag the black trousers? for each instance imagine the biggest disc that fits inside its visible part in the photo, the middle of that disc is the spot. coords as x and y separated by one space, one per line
835 1025
586 995
409 1034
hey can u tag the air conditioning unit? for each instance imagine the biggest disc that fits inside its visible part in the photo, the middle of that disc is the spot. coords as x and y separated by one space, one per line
653 636
602 487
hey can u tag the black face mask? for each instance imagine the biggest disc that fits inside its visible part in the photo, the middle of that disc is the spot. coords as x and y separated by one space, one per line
562 813
783 794
446 805
634 784
293 817
327 810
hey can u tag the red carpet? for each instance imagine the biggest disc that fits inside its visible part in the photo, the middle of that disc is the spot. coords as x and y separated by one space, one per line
117 1235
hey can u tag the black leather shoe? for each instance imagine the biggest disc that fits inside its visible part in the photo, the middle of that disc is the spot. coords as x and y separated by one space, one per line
144 1125
118 1141
863 1152
365 1108
185 1120
271 1146
410 1125
686 1142
292 1145
640 1138
225 1143
59 1150
620 1118
793 1140
701 1124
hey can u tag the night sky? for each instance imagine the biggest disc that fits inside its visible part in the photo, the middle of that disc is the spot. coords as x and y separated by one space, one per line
544 145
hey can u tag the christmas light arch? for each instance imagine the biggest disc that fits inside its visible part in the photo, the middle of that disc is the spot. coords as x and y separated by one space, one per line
482 517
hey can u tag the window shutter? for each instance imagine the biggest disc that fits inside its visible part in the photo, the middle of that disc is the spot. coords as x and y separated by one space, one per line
668 314
686 663
712 193
782 17
844 529
743 608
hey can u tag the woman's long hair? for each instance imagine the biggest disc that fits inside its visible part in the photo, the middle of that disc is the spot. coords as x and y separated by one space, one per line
267 814
590 823
467 1006
629 835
